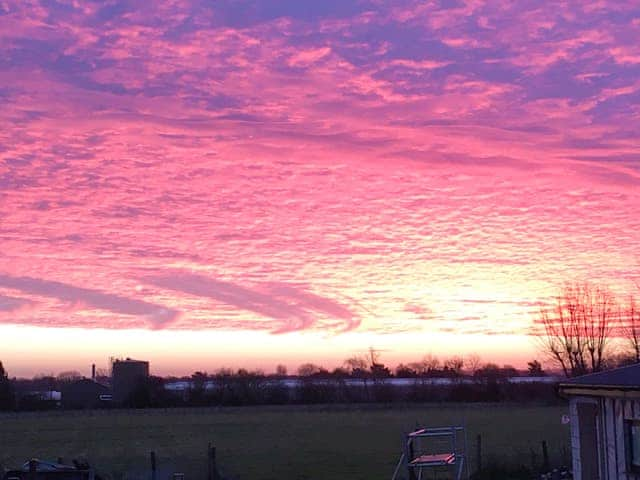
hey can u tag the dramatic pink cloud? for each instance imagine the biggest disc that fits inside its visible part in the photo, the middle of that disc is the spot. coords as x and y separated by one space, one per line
372 167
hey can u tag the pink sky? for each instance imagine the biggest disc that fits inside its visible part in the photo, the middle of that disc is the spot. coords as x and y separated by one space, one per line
246 183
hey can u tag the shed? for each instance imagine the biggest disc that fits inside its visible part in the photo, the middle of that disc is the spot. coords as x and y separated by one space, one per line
604 410
85 393
42 470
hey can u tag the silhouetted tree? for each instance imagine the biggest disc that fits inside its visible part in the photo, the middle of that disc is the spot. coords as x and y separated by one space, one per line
103 376
431 363
339 372
453 366
577 329
44 381
405 371
245 388
493 379
68 376
428 366
631 326
357 366
6 390
379 370
308 369
472 362
490 371
534 368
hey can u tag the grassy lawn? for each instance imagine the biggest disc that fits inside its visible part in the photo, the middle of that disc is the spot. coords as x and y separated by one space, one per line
269 443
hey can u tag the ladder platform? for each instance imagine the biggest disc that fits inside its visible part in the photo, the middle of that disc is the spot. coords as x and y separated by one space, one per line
435 432
433 460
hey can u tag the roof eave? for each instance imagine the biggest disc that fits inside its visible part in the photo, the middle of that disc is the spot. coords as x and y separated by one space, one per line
624 391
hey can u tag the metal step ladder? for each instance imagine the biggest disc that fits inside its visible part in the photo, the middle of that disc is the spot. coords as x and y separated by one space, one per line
431 450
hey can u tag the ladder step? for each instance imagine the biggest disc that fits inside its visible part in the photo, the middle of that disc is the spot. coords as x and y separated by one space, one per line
433 460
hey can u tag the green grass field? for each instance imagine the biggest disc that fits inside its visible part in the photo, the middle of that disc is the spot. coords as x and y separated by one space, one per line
269 443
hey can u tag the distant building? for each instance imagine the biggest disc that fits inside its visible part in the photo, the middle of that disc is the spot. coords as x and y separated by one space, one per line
604 412
126 375
38 399
43 470
85 394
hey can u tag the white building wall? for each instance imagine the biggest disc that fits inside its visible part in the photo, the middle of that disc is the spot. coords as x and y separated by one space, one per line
613 412
575 438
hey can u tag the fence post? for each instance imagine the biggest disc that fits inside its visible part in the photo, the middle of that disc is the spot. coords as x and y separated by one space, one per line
534 460
153 465
565 456
545 456
478 453
33 465
213 468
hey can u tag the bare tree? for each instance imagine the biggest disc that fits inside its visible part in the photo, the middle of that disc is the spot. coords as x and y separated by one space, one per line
578 328
428 365
472 362
374 356
431 362
454 365
631 326
356 364
68 376
308 369
534 368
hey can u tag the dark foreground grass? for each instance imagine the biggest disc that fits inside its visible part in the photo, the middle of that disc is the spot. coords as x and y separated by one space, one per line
269 443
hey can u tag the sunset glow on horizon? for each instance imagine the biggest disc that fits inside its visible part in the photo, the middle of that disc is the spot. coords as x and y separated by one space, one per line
250 183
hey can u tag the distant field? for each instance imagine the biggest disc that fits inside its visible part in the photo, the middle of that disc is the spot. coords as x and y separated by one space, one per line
269 443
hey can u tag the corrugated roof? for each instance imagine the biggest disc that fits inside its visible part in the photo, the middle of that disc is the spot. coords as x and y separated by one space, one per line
626 377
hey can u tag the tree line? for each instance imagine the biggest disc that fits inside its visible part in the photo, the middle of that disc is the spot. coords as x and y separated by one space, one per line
358 379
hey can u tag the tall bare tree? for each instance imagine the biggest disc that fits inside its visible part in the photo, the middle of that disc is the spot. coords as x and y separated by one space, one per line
631 326
577 330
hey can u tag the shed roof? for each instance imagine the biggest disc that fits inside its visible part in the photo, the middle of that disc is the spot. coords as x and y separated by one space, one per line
86 382
623 378
46 466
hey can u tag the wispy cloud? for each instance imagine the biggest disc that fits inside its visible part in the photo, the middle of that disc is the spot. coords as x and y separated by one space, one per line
12 304
86 298
293 307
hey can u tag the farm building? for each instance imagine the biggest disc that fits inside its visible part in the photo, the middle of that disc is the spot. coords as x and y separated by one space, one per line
126 376
605 424
85 393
